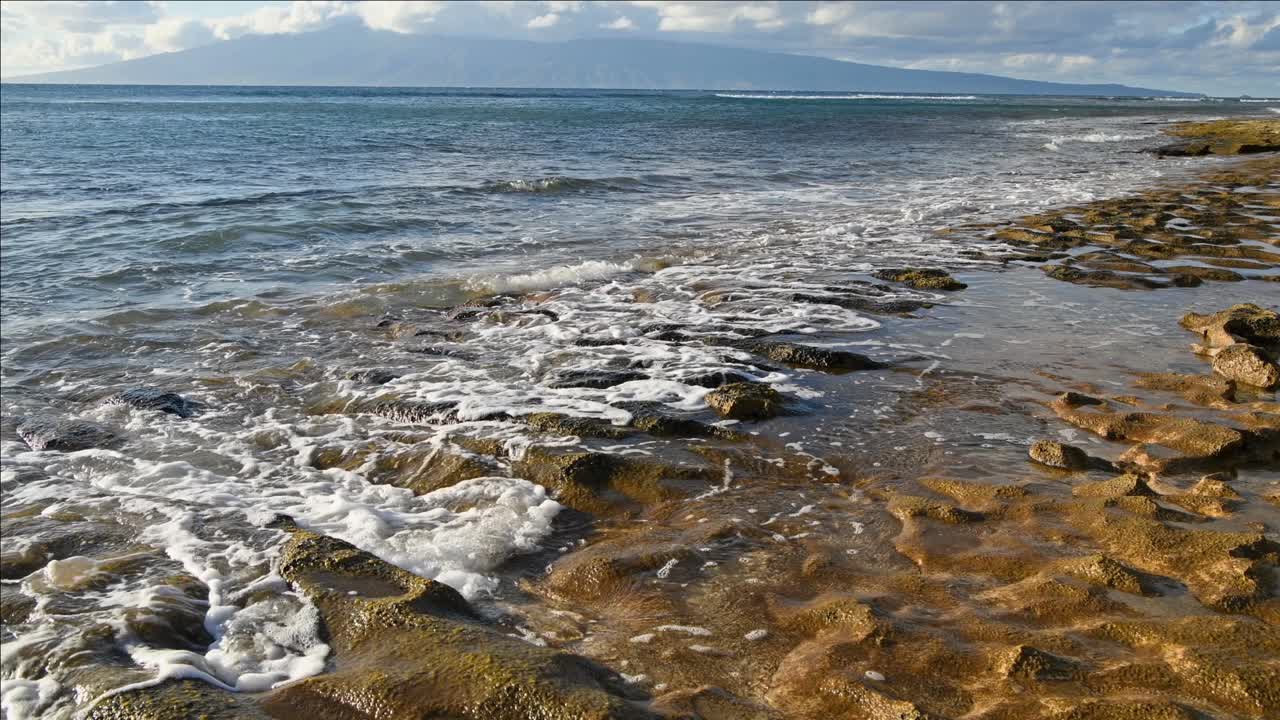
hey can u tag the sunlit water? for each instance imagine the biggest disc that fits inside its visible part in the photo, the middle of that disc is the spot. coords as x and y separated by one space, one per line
240 246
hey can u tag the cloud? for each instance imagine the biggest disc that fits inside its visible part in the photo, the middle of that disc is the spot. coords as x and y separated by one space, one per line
622 22
715 17
81 17
172 34
543 21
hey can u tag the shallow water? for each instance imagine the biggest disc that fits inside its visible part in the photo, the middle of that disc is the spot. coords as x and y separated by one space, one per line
248 248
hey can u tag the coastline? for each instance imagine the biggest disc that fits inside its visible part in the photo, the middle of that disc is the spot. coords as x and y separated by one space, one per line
734 575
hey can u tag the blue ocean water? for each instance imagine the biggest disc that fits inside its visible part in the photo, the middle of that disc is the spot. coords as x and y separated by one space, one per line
256 249
144 197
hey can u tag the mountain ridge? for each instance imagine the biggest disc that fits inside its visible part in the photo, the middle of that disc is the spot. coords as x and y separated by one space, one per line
376 58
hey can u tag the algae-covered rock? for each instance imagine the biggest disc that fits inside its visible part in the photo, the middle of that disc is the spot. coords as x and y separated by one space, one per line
408 648
601 482
1191 437
562 424
1247 364
807 356
745 401
64 435
1057 455
921 278
1231 136
1102 570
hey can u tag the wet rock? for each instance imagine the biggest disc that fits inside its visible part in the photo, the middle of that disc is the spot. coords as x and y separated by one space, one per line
64 435
561 424
745 401
1028 663
1246 323
905 507
973 493
598 482
1193 438
1101 278
921 278
155 399
1233 136
1204 273
1125 710
833 611
414 412
372 377
807 356
715 379
1247 364
1057 455
593 379
1103 570
407 647
1212 487
713 703
655 419
1200 389
180 700
1125 485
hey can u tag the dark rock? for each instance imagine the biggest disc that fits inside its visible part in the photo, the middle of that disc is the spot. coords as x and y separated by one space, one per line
1027 663
745 401
921 278
417 413
655 419
810 357
154 399
64 435
594 379
715 379
372 377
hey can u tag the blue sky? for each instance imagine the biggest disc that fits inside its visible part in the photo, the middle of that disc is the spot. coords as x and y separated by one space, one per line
1219 48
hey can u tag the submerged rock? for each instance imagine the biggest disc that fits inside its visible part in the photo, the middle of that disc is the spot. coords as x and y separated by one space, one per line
562 424
1057 455
64 435
155 399
407 647
1028 663
745 401
1247 364
921 278
372 377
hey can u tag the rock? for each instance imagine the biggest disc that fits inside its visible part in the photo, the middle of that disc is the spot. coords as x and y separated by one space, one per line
1204 273
715 379
1200 389
1193 438
807 356
561 424
1028 663
1233 136
1247 364
1246 323
1101 278
745 401
1057 455
921 278
1123 486
655 419
712 703
905 507
155 399
593 379
64 435
1212 487
406 647
1103 570
372 377
599 482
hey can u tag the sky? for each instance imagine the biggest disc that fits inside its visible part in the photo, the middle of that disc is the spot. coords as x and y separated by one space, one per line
1217 48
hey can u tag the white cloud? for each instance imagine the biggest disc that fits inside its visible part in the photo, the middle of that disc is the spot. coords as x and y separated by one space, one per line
829 13
622 22
714 17
543 21
397 16
172 34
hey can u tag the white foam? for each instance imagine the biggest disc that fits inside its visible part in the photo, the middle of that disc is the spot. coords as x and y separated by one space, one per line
552 277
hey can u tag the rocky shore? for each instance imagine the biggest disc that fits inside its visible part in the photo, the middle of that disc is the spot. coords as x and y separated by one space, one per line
1124 565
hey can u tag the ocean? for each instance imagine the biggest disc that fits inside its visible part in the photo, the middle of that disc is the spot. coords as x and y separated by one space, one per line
261 251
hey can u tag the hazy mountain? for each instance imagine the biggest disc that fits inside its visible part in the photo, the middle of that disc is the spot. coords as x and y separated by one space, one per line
351 54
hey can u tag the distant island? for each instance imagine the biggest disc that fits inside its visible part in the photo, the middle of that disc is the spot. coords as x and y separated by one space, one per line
352 55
